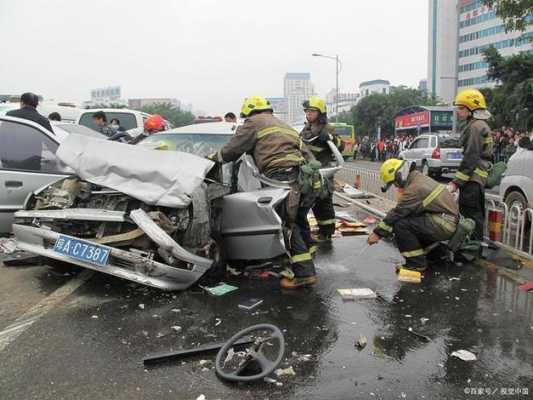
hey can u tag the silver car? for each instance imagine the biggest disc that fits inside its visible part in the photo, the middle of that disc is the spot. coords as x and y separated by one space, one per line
28 161
435 154
158 218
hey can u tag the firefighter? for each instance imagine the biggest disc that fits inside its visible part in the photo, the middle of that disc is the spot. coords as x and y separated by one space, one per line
477 143
153 124
425 213
279 154
316 135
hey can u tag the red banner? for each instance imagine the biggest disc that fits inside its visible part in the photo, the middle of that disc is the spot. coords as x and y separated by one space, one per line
412 120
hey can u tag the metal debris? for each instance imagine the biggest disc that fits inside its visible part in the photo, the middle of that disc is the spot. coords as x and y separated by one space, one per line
464 355
285 372
361 342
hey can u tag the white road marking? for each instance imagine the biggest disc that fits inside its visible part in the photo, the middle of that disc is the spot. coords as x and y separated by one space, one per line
27 319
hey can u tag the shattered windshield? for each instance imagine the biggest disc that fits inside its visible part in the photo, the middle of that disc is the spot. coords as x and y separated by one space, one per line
198 144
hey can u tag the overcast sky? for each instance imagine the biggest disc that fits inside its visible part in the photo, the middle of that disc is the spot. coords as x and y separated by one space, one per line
206 52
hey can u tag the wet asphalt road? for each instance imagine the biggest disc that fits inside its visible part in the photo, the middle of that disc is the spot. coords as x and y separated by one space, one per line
91 344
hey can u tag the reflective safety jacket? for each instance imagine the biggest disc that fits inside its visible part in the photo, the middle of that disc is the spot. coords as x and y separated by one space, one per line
272 143
421 195
477 143
316 135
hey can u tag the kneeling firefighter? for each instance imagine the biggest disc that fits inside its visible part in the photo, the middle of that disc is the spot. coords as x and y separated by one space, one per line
316 134
279 154
425 213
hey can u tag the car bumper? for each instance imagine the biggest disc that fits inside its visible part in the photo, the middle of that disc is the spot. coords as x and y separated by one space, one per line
443 165
123 264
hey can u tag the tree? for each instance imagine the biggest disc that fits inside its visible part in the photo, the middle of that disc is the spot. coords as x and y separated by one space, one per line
380 109
511 101
171 113
513 12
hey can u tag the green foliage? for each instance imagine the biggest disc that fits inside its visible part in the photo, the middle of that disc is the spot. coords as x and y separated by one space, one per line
171 113
511 102
513 12
380 109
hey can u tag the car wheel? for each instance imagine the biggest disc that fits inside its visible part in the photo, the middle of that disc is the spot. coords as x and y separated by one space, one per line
515 198
425 168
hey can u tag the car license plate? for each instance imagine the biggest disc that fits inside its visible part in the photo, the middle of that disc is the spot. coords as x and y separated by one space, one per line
82 250
455 156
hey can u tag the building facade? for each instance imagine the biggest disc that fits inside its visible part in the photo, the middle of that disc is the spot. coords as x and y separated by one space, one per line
377 86
479 28
297 88
459 31
280 105
442 49
346 101
106 96
140 103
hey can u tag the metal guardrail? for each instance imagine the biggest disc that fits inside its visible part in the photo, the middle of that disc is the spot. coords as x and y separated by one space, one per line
367 180
516 226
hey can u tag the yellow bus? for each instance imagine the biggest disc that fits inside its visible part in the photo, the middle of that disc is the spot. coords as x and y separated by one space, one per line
347 134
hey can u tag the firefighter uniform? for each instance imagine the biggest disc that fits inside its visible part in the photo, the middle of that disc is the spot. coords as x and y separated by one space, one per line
477 144
315 135
278 153
425 213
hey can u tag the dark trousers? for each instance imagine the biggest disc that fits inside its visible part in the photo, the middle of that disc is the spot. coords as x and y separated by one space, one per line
414 234
472 205
324 213
297 206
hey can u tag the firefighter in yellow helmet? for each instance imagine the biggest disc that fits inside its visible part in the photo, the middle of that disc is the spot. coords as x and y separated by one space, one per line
316 134
425 213
279 154
477 143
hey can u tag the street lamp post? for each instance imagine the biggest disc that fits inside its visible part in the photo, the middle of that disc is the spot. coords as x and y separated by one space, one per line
337 61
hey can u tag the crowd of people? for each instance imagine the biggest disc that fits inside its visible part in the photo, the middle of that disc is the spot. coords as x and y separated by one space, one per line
506 141
383 149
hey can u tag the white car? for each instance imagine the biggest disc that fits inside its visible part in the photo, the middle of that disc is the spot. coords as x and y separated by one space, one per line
516 187
131 120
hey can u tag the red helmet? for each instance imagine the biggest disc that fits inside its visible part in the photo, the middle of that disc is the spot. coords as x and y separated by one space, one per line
154 124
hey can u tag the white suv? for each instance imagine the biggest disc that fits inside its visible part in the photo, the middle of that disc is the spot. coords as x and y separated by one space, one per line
516 187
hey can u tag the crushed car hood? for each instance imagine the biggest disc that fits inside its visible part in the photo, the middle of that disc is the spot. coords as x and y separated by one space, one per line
162 178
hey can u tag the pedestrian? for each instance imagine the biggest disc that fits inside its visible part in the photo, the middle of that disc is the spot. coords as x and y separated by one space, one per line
230 117
54 116
477 144
100 121
279 154
153 124
316 134
425 213
115 125
28 110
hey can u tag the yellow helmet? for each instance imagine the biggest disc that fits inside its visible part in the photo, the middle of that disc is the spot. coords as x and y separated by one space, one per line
254 103
388 171
315 103
471 99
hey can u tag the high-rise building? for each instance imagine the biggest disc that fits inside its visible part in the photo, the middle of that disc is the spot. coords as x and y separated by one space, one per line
297 87
346 101
280 105
459 30
479 28
140 103
442 49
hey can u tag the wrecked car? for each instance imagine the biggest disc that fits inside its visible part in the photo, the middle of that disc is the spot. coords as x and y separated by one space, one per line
158 218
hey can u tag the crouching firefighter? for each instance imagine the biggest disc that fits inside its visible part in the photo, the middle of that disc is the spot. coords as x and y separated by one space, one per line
278 153
316 135
425 213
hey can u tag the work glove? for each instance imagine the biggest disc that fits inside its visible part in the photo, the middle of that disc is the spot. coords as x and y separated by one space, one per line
213 157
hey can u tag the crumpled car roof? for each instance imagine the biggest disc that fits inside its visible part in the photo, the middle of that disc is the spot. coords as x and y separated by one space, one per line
162 178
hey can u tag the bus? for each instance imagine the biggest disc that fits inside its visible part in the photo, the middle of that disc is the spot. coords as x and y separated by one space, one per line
347 134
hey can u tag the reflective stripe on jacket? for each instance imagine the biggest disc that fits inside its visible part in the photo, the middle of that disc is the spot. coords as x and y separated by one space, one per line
421 195
477 152
271 142
316 135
